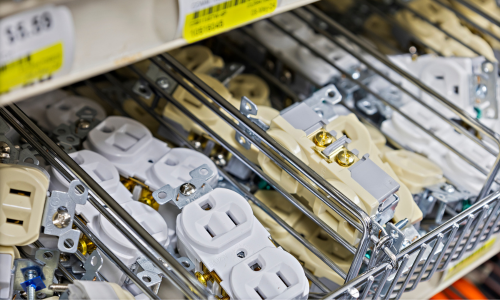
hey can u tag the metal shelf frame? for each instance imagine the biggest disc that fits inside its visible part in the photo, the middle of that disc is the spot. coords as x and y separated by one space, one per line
389 279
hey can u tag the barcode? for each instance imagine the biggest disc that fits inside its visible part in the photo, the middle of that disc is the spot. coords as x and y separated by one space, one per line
218 7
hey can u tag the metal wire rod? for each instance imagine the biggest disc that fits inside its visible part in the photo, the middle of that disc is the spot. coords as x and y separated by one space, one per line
252 130
394 23
455 109
424 18
316 281
461 15
369 90
253 167
70 170
261 70
479 12
60 267
359 57
230 179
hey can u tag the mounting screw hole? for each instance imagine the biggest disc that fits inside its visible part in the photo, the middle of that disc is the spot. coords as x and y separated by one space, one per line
48 255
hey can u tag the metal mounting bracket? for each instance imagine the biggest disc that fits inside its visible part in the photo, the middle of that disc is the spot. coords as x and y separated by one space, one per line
249 109
187 192
59 214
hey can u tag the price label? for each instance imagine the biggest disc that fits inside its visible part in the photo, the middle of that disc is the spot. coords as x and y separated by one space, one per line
35 45
206 18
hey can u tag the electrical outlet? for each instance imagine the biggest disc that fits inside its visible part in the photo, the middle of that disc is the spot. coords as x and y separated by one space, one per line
100 169
93 290
301 144
36 107
64 111
415 170
286 48
217 232
23 192
7 256
149 218
251 86
269 274
309 230
204 113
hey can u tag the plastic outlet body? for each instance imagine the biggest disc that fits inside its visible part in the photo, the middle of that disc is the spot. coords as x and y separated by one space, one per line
150 219
447 21
94 290
55 108
220 235
204 113
300 144
295 56
415 170
251 86
298 57
132 149
36 107
100 169
306 227
7 256
23 192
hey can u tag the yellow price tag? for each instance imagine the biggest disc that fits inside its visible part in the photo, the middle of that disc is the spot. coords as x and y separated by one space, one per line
224 16
37 65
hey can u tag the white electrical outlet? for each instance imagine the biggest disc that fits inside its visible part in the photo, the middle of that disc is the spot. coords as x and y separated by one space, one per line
64 111
37 107
132 149
295 56
149 218
218 232
100 169
55 108
94 290
269 274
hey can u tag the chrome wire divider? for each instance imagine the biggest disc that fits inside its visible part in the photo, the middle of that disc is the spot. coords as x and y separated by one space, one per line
451 106
479 11
486 224
360 58
462 16
256 169
252 131
70 170
229 178
425 19
393 22
370 91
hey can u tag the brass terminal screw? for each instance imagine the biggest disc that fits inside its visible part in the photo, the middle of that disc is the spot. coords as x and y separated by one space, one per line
203 278
345 158
323 138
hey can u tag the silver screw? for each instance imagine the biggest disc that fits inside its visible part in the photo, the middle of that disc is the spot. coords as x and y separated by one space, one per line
401 224
163 83
488 67
83 124
4 151
481 91
219 160
353 292
61 218
30 274
448 188
187 189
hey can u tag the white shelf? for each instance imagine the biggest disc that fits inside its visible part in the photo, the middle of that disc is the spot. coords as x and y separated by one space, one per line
436 284
111 34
